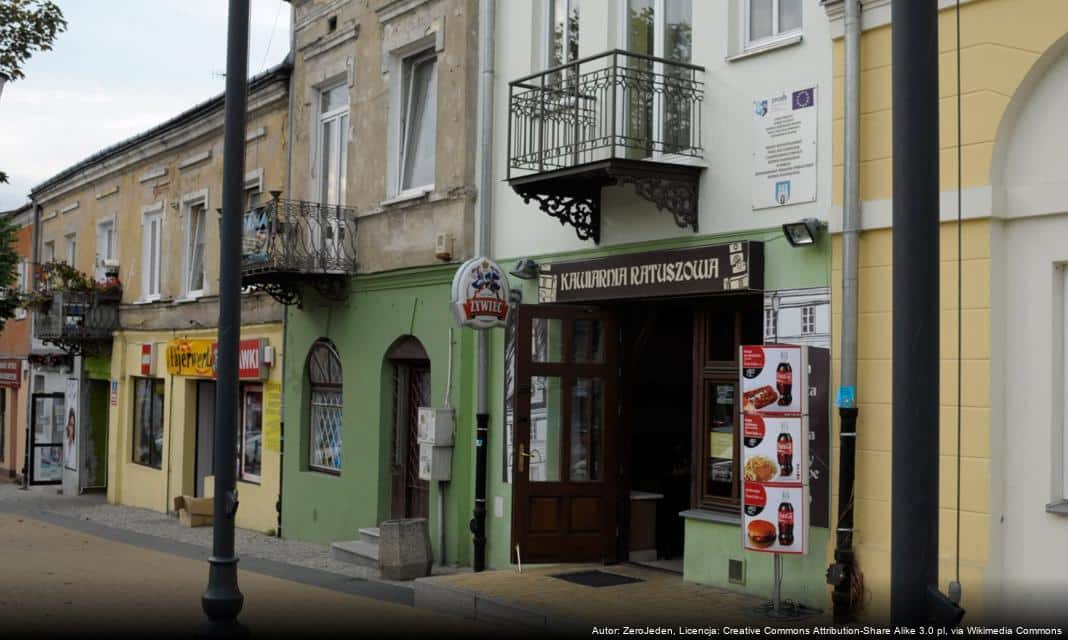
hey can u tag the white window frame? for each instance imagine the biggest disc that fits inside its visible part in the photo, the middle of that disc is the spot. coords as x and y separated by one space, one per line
1062 271
149 214
70 244
808 320
48 251
253 185
776 35
771 324
189 201
408 62
102 257
549 20
22 285
321 119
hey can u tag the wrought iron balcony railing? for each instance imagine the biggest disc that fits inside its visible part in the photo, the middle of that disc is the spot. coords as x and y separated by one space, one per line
289 242
627 117
78 321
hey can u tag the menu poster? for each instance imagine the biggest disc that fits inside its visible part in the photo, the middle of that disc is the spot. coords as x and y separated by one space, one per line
775 518
774 449
773 380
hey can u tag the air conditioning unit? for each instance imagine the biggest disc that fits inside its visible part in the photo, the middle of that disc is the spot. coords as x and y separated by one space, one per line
443 246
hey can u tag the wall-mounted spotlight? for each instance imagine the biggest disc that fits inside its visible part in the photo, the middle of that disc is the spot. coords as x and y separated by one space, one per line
525 269
804 232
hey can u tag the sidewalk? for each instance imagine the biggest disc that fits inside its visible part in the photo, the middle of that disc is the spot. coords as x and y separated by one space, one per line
537 600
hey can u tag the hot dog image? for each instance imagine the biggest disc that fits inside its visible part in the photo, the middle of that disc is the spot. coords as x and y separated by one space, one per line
755 399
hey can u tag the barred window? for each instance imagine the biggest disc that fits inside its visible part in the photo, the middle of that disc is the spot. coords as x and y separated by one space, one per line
324 379
808 320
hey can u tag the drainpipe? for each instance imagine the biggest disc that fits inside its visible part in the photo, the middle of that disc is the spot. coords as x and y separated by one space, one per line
487 12
840 574
285 308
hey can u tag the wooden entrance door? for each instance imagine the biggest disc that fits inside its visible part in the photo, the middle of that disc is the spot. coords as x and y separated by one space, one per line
411 390
566 471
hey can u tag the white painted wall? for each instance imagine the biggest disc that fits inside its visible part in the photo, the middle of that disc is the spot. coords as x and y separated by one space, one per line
1029 338
727 127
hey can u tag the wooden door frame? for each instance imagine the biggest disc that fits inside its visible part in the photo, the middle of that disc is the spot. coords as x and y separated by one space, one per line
568 372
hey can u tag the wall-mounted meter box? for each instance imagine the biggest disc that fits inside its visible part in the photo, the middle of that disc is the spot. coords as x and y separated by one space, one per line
435 463
436 426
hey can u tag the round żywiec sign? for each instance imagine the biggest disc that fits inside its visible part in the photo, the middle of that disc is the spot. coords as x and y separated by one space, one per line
480 294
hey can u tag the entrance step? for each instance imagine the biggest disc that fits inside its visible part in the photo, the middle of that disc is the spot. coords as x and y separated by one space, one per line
359 552
370 534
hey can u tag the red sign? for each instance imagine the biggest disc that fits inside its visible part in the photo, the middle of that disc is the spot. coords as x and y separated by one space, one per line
147 358
10 373
250 365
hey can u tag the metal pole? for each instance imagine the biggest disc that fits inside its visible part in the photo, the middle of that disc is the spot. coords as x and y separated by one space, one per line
914 500
842 571
222 600
487 12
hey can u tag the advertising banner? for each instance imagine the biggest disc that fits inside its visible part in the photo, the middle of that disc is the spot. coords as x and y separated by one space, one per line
775 442
196 358
784 148
480 294
70 425
10 373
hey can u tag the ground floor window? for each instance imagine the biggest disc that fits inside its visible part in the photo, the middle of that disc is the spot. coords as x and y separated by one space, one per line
3 422
148 422
250 444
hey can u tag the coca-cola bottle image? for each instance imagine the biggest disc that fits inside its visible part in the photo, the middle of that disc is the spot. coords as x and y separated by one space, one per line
784 448
784 381
786 521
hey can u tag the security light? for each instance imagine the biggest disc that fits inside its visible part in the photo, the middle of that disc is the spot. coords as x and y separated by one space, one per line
525 269
804 232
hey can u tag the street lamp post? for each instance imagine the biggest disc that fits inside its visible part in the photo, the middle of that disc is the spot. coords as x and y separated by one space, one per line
222 600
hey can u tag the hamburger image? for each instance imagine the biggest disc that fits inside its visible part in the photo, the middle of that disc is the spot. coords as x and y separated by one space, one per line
761 534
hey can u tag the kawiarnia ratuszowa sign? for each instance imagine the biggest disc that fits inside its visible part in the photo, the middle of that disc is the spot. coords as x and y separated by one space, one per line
480 294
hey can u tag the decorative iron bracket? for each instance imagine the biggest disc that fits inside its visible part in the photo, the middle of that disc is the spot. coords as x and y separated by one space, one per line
582 210
679 196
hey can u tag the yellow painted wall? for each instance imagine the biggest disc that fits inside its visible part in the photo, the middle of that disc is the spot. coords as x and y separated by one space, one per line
1000 41
136 485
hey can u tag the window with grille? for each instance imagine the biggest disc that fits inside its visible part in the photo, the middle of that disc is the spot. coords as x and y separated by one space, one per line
325 430
771 327
808 320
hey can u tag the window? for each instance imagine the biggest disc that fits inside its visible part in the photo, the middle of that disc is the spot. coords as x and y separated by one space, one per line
808 320
663 29
48 252
771 328
105 242
767 20
196 220
71 240
324 434
22 285
250 445
148 422
3 422
563 32
419 124
151 251
716 423
333 144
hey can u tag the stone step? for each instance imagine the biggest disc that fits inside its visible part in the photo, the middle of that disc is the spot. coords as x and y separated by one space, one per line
359 552
370 534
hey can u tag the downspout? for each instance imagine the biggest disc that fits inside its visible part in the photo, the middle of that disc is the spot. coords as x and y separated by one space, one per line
35 252
841 572
487 11
285 308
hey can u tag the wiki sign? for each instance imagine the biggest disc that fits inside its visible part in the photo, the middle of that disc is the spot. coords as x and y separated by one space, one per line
480 294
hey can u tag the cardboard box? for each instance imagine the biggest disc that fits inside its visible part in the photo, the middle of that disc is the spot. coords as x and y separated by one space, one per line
195 512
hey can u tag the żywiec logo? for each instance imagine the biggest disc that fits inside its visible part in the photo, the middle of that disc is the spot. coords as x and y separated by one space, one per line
480 294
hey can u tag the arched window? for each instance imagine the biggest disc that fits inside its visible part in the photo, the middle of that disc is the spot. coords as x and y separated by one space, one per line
324 379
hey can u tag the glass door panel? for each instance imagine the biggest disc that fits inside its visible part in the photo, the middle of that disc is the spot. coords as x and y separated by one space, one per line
720 416
546 433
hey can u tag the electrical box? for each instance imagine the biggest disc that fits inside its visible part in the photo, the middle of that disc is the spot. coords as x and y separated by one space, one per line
435 426
435 463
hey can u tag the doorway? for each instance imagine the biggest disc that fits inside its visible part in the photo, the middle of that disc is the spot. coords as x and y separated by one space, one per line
411 390
658 442
205 461
95 437
46 438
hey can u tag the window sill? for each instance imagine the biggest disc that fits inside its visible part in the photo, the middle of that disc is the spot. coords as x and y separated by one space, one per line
405 196
1059 507
148 301
189 298
765 47
706 515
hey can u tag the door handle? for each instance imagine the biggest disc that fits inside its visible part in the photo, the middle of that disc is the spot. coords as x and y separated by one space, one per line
523 455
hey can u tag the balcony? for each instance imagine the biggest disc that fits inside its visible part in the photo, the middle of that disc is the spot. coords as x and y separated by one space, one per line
611 119
78 322
287 244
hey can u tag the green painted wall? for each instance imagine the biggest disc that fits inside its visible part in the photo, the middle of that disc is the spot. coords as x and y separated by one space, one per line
98 367
785 267
381 308
709 545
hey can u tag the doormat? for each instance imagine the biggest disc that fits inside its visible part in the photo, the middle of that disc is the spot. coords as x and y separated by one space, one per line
596 578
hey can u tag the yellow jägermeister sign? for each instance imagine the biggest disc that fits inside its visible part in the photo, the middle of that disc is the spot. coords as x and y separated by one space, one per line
191 358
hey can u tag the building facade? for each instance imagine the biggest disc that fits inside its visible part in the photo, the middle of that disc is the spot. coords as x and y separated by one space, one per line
15 385
384 104
138 222
649 153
